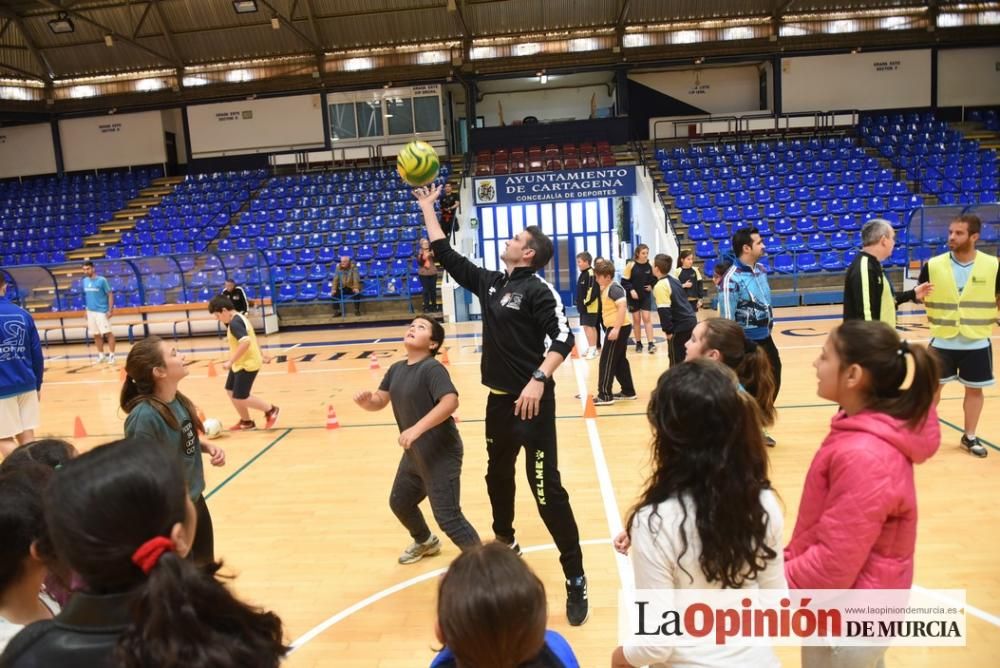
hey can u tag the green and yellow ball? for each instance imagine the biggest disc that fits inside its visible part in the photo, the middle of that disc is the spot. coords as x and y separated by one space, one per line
418 163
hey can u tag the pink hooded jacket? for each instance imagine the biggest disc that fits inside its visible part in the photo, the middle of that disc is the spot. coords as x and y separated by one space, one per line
857 523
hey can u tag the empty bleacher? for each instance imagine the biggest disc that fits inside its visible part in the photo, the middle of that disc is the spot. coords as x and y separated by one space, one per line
304 223
41 219
188 219
808 197
517 159
940 159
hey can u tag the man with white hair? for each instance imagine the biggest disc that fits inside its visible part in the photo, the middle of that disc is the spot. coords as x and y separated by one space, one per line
868 294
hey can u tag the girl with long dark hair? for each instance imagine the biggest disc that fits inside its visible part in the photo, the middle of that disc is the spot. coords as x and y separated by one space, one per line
121 517
700 524
159 415
857 522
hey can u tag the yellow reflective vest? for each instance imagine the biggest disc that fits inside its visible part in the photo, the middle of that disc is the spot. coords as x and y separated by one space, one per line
970 314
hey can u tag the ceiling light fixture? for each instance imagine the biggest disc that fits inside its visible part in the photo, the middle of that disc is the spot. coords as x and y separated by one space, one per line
245 6
275 23
109 41
61 24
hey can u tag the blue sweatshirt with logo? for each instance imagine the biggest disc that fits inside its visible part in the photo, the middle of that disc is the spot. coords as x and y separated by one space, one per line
21 360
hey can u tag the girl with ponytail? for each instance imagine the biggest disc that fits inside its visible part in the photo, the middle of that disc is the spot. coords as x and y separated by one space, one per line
724 341
122 519
159 415
857 522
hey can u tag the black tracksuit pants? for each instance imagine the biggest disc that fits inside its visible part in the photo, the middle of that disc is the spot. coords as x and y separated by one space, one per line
506 435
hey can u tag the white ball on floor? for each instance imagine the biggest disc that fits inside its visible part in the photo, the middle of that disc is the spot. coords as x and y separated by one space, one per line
213 428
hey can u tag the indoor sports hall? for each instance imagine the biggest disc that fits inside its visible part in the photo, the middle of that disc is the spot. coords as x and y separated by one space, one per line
178 145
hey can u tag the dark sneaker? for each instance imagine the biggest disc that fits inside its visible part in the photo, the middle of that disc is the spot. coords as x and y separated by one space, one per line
619 396
272 417
651 348
604 401
638 346
768 441
577 608
512 544
244 425
973 446
417 551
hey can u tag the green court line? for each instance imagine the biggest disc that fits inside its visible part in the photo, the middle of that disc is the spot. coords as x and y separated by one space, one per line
247 464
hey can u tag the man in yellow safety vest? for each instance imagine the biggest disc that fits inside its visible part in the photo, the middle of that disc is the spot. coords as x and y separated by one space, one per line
962 311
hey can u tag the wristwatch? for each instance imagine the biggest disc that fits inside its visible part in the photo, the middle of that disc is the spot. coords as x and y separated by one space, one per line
539 375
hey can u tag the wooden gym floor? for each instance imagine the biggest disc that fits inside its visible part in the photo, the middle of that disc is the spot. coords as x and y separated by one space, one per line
301 512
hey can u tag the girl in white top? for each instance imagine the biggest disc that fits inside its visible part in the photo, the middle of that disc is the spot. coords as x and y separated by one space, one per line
25 546
699 524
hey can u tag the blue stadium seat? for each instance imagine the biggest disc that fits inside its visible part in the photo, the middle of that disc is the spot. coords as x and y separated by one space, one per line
807 262
818 242
795 243
784 263
697 232
831 261
840 240
719 231
704 249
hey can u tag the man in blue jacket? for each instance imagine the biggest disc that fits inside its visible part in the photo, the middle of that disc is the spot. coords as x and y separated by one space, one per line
745 296
21 368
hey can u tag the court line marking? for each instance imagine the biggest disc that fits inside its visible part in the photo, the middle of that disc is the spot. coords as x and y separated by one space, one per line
972 610
312 633
611 511
248 463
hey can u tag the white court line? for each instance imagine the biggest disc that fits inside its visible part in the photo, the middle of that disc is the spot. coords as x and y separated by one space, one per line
625 574
972 610
385 593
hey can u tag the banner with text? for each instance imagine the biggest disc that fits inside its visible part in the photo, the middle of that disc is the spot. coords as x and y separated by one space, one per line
569 184
660 618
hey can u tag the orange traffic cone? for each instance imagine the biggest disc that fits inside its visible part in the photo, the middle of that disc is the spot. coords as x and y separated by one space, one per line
201 414
589 411
331 418
291 366
122 375
78 429
444 357
373 362
212 373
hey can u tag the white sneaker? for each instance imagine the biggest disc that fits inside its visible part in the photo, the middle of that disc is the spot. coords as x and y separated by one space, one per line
111 358
100 358
591 354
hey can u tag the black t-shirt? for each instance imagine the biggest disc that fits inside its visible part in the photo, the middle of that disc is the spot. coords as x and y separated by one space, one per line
415 389
447 202
238 328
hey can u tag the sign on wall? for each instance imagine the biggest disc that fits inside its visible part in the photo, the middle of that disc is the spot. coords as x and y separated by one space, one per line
256 126
570 184
877 80
26 150
115 140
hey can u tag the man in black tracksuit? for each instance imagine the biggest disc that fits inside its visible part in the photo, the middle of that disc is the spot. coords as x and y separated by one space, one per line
520 311
868 295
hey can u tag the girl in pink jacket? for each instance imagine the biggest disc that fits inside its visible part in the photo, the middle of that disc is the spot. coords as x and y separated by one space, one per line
857 522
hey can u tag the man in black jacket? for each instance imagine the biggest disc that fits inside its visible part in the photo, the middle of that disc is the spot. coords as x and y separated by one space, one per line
236 294
521 311
868 294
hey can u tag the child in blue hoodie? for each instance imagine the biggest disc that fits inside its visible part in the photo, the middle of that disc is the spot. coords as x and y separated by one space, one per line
21 369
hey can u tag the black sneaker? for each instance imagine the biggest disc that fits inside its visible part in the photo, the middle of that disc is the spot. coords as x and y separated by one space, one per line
638 346
604 401
621 396
768 441
651 348
973 446
577 608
